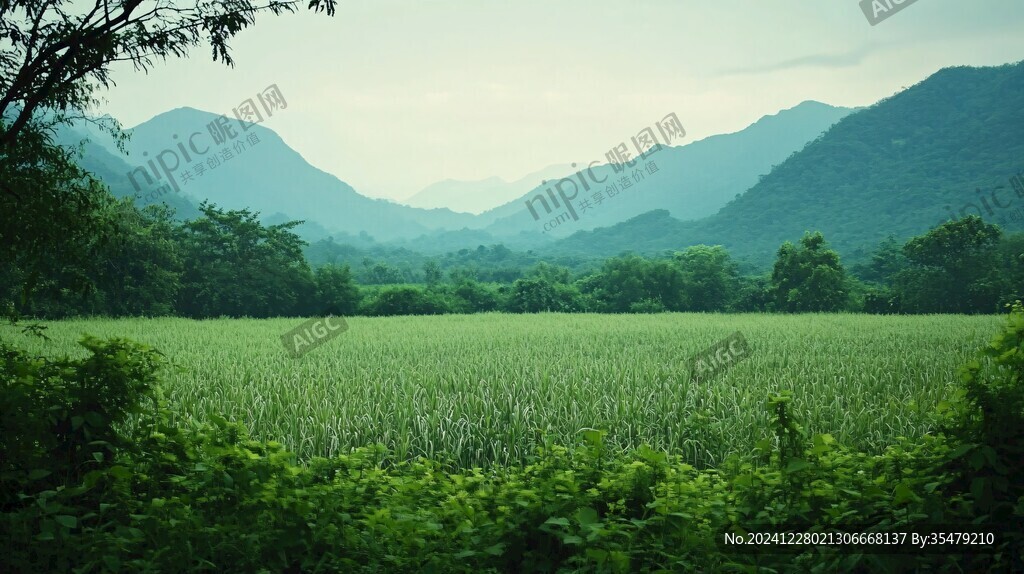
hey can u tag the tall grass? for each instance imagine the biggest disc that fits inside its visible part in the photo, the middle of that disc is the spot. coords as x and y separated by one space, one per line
479 389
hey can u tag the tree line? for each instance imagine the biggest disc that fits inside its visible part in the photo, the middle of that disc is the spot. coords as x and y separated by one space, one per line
227 263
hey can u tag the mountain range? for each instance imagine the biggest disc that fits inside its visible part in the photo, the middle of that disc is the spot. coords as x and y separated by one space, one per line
896 168
176 153
950 146
481 195
692 181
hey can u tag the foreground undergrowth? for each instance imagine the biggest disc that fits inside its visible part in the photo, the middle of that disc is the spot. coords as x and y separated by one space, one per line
95 476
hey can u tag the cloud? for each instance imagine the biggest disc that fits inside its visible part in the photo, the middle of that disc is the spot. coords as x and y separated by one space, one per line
844 60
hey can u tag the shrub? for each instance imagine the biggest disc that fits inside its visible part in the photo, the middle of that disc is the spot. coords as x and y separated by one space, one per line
405 301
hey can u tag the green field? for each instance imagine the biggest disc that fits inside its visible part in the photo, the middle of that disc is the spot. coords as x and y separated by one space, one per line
485 388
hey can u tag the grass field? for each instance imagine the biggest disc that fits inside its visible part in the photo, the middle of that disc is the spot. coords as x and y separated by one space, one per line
475 389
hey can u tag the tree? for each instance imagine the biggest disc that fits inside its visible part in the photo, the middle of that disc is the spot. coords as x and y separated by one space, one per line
54 219
141 266
953 269
381 274
548 272
336 292
754 294
1011 264
57 53
538 295
476 298
236 266
54 55
627 281
404 301
808 277
886 262
123 261
710 278
432 273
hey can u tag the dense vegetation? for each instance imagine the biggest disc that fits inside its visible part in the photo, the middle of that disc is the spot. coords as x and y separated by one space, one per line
135 262
97 475
474 390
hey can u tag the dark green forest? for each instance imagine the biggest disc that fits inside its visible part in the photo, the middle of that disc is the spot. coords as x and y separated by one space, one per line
144 262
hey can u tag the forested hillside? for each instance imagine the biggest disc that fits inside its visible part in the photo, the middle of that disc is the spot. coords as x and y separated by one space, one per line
897 168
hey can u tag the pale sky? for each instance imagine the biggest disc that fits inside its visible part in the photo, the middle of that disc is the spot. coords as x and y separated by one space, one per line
393 95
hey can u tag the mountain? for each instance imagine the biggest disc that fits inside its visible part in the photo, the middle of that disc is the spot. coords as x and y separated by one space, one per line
99 157
176 154
952 145
479 196
690 181
256 169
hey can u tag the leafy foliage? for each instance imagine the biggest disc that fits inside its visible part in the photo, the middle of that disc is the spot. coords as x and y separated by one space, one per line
58 53
952 269
239 267
809 277
97 476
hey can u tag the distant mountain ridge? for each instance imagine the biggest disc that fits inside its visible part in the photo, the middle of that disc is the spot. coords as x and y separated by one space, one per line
175 152
946 147
261 172
692 180
479 196
100 157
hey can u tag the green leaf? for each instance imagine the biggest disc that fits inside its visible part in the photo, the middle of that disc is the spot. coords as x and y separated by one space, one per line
902 494
961 450
652 456
977 459
587 516
496 549
982 491
94 419
822 443
797 464
66 521
597 555
594 437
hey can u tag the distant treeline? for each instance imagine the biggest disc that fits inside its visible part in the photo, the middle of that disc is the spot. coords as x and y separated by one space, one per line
229 264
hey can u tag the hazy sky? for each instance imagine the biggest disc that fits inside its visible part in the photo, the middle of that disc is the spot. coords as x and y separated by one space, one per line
392 95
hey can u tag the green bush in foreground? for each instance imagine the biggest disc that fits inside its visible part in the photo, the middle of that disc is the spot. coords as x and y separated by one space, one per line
97 476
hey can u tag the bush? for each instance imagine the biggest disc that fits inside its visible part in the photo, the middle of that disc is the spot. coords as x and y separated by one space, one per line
405 301
473 297
540 295
647 306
